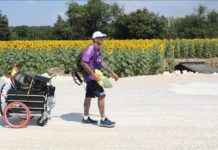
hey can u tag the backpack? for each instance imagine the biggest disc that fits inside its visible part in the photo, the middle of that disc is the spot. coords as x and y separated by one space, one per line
21 80
25 81
79 69
79 61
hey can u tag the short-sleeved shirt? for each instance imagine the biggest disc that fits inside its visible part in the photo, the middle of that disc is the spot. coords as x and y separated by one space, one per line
92 56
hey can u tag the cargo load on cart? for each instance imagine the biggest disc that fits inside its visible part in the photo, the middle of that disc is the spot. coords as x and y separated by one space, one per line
27 96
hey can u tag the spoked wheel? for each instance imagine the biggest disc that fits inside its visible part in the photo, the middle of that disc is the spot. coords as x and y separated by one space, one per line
16 115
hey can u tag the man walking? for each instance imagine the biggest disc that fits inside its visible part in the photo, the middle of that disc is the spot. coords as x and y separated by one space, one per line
92 59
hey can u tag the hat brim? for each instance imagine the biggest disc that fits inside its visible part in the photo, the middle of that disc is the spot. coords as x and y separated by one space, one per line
100 36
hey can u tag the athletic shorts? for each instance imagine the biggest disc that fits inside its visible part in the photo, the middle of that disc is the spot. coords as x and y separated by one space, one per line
93 89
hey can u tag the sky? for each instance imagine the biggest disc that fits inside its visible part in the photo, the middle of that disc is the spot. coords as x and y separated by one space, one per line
45 12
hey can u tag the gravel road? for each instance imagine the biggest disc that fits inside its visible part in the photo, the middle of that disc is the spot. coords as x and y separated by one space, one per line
161 112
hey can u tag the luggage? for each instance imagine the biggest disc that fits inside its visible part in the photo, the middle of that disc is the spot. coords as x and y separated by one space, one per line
34 99
26 96
4 88
25 81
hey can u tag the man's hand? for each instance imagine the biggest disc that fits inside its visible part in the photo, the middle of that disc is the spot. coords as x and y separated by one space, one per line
115 76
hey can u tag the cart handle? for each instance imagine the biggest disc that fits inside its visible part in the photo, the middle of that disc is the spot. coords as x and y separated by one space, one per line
53 75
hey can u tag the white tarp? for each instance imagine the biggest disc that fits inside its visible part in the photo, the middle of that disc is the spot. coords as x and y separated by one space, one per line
5 86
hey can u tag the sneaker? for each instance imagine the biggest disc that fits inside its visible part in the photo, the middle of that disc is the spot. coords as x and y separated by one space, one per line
112 122
107 123
89 120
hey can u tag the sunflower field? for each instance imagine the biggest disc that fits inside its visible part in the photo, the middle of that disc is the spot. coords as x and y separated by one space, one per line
126 57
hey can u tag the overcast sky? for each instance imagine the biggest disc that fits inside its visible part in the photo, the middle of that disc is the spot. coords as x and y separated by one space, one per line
44 12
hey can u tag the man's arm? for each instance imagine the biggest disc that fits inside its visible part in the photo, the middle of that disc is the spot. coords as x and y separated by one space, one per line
89 70
86 67
106 67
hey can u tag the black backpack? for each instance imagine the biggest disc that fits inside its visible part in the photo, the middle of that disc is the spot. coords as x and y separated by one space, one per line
24 81
79 61
21 80
79 69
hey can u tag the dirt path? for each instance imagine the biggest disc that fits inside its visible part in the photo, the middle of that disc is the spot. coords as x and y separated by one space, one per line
162 112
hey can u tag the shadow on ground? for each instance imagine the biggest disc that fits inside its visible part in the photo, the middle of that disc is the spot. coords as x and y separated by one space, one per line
75 117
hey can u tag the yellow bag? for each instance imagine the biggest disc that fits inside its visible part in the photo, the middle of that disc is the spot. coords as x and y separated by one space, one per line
104 82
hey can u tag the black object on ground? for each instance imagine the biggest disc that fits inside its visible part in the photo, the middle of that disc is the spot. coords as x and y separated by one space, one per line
200 67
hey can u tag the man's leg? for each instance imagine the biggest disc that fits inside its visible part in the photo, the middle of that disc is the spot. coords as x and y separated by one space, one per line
104 122
86 118
86 105
101 106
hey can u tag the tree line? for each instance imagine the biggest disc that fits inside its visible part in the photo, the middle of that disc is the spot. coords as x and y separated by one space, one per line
83 20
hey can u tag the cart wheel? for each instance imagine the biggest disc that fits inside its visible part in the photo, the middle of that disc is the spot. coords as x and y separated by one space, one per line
41 122
16 115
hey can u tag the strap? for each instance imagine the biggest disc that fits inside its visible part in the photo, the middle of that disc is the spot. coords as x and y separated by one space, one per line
77 79
1 92
3 87
30 87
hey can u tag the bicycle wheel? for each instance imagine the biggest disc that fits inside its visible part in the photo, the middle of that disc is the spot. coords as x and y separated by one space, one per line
16 115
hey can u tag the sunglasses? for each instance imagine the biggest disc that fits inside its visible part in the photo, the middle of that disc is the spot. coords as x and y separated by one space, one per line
100 38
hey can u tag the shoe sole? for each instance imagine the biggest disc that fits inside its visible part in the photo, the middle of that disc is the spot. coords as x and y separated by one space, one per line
106 126
90 123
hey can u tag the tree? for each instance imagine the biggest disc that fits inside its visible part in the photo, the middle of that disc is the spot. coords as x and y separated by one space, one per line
76 19
141 24
116 11
172 22
40 32
200 24
4 28
213 24
32 33
62 30
21 32
83 20
95 15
